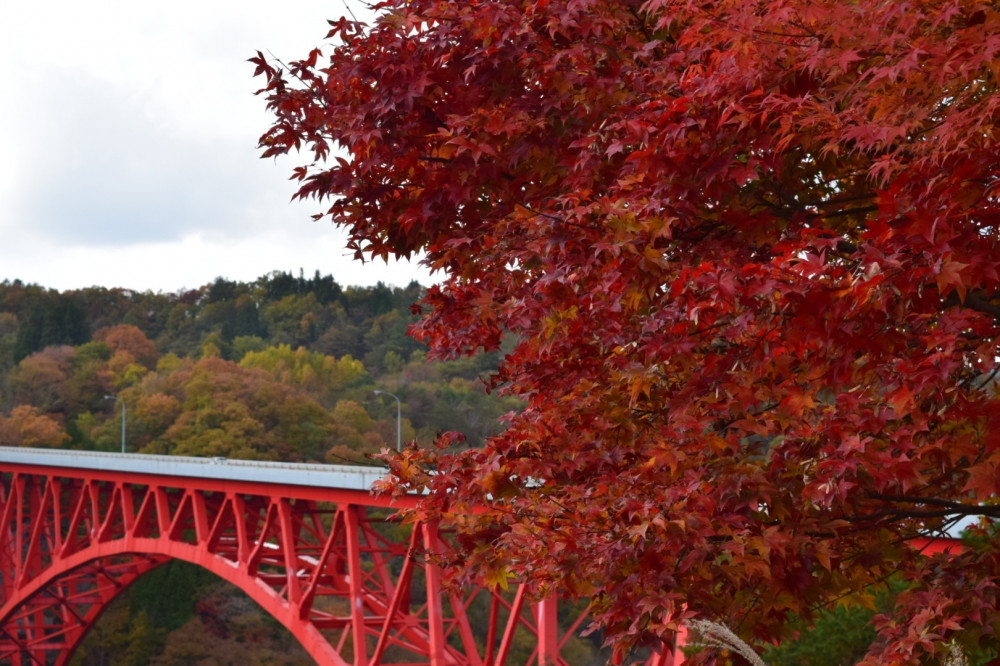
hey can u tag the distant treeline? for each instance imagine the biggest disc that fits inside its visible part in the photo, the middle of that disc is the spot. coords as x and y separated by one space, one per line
279 308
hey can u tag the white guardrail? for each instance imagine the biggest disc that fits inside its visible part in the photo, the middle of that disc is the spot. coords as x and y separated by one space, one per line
348 477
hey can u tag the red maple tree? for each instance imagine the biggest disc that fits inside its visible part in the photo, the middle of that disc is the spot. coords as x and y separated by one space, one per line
746 256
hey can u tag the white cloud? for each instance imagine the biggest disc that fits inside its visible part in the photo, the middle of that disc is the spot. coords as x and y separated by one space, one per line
99 170
130 154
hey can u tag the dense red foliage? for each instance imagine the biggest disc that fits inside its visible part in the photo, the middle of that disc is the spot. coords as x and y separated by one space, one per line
747 252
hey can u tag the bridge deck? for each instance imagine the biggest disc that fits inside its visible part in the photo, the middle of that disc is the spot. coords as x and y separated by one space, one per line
347 477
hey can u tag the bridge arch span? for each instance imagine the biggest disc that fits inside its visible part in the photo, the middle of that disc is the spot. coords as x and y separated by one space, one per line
308 543
79 588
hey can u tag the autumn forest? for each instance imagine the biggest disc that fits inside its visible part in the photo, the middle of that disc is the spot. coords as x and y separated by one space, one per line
284 368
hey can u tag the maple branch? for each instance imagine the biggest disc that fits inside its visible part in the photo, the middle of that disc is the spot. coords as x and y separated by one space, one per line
757 31
913 499
348 8
291 70
942 532
642 23
949 475
557 219
960 510
864 210
837 201
805 29
790 206
974 301
986 382
895 515
705 233
847 247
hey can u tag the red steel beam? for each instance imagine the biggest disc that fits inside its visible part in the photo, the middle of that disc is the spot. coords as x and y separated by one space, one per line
352 587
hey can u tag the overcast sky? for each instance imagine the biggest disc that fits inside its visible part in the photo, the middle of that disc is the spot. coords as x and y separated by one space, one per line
129 146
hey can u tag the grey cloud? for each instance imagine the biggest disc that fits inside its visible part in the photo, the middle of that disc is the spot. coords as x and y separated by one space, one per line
101 171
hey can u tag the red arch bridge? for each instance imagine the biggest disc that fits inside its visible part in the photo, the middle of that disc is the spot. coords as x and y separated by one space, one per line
309 543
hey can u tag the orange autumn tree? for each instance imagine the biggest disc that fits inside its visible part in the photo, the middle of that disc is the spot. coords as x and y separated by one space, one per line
746 256
28 426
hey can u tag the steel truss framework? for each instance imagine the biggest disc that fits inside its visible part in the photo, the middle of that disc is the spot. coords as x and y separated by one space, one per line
351 586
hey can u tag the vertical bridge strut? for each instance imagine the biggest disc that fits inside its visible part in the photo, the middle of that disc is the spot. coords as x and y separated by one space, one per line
309 543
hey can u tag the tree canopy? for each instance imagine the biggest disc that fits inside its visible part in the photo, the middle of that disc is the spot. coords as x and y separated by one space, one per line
746 256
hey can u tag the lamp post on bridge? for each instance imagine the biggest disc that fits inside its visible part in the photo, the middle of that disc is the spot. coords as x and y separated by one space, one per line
399 419
115 397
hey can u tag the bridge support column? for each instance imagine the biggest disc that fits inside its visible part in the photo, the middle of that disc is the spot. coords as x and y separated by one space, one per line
679 641
547 618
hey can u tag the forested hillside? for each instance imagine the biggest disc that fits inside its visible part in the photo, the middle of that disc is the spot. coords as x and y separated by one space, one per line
283 368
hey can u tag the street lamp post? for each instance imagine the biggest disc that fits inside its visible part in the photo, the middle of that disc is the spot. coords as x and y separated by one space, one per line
115 397
399 419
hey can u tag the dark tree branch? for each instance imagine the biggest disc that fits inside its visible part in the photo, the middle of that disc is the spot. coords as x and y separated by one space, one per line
980 304
951 508
846 247
864 210
990 511
913 499
974 301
